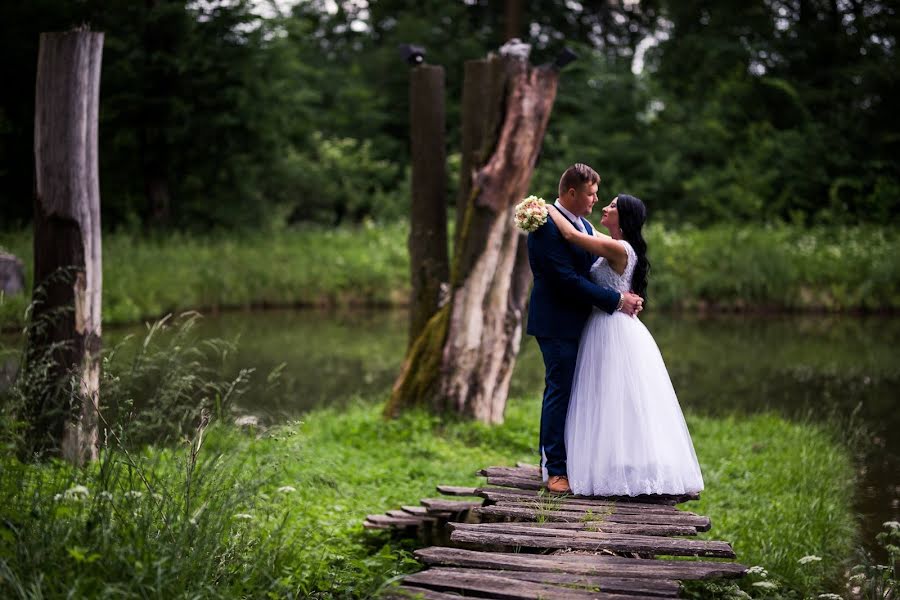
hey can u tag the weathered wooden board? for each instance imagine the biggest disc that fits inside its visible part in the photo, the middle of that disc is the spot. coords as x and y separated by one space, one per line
519 483
486 583
565 529
530 496
405 592
585 564
388 521
402 514
526 477
610 509
524 473
456 490
442 504
529 513
419 511
617 542
649 587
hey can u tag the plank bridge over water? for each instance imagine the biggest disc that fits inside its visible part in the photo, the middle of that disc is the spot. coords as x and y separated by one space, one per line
513 540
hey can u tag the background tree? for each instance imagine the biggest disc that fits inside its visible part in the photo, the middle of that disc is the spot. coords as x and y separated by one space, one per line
64 336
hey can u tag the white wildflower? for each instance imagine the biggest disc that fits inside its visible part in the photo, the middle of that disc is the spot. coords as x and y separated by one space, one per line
766 585
77 492
244 516
106 495
287 489
757 570
808 559
830 597
858 577
57 497
133 494
891 524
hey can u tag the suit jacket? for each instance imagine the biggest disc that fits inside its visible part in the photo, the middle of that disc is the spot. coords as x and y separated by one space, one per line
562 296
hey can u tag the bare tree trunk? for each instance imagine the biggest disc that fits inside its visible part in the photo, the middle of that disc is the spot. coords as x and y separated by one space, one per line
429 262
463 360
154 120
67 261
513 17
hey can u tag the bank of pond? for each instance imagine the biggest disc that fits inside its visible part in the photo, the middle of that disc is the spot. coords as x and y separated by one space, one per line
722 267
790 418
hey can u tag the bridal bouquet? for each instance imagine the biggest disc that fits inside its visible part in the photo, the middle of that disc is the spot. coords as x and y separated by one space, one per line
531 213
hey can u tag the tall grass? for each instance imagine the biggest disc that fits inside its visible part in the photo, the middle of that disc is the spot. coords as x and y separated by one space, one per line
166 520
726 267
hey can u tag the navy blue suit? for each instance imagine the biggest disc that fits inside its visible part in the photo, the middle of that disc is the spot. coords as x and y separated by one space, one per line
561 302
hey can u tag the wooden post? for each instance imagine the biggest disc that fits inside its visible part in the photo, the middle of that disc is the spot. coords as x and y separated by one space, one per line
429 262
65 323
463 359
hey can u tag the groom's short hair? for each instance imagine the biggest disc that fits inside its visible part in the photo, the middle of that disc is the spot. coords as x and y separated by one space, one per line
576 175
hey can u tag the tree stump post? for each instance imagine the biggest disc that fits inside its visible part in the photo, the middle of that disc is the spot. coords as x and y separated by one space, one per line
429 262
463 359
65 322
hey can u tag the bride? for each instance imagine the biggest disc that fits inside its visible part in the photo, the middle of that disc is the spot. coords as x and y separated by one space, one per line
625 433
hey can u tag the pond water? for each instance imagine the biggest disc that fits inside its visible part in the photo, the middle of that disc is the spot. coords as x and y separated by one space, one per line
804 367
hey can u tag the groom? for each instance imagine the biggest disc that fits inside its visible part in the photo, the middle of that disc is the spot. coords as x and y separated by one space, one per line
561 302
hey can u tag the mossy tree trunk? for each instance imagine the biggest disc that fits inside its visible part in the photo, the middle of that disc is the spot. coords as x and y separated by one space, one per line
65 323
464 357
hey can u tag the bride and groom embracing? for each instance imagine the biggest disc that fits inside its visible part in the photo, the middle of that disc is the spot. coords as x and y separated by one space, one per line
610 421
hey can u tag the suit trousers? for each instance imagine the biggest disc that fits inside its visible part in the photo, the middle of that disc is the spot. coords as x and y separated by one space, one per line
559 355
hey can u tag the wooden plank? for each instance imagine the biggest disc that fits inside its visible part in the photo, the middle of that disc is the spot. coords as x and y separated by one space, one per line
441 504
561 529
602 510
524 473
385 520
486 583
585 564
455 490
524 465
531 514
370 525
530 496
531 479
516 482
618 542
402 514
649 587
419 511
405 592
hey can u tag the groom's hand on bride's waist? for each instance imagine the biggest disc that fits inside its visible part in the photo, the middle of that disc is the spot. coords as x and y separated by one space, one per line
631 304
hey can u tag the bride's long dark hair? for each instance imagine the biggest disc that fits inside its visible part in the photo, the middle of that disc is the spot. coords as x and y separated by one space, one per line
632 214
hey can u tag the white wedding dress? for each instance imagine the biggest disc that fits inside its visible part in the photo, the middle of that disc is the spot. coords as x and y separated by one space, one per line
625 433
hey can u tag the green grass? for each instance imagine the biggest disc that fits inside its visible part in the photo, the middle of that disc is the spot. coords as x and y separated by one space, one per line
148 277
726 267
778 491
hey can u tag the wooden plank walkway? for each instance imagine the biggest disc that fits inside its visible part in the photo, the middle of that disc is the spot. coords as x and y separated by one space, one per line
511 539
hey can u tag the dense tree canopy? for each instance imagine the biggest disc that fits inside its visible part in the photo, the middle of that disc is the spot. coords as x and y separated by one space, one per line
213 116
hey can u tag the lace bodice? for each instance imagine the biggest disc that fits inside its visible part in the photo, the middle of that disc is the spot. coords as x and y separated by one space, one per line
603 274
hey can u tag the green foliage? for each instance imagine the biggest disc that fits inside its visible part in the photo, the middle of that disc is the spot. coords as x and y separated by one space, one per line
730 267
213 117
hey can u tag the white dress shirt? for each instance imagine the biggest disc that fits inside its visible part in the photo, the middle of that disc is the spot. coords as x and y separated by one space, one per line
579 224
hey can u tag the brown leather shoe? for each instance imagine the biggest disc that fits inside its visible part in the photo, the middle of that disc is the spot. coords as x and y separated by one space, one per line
559 484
